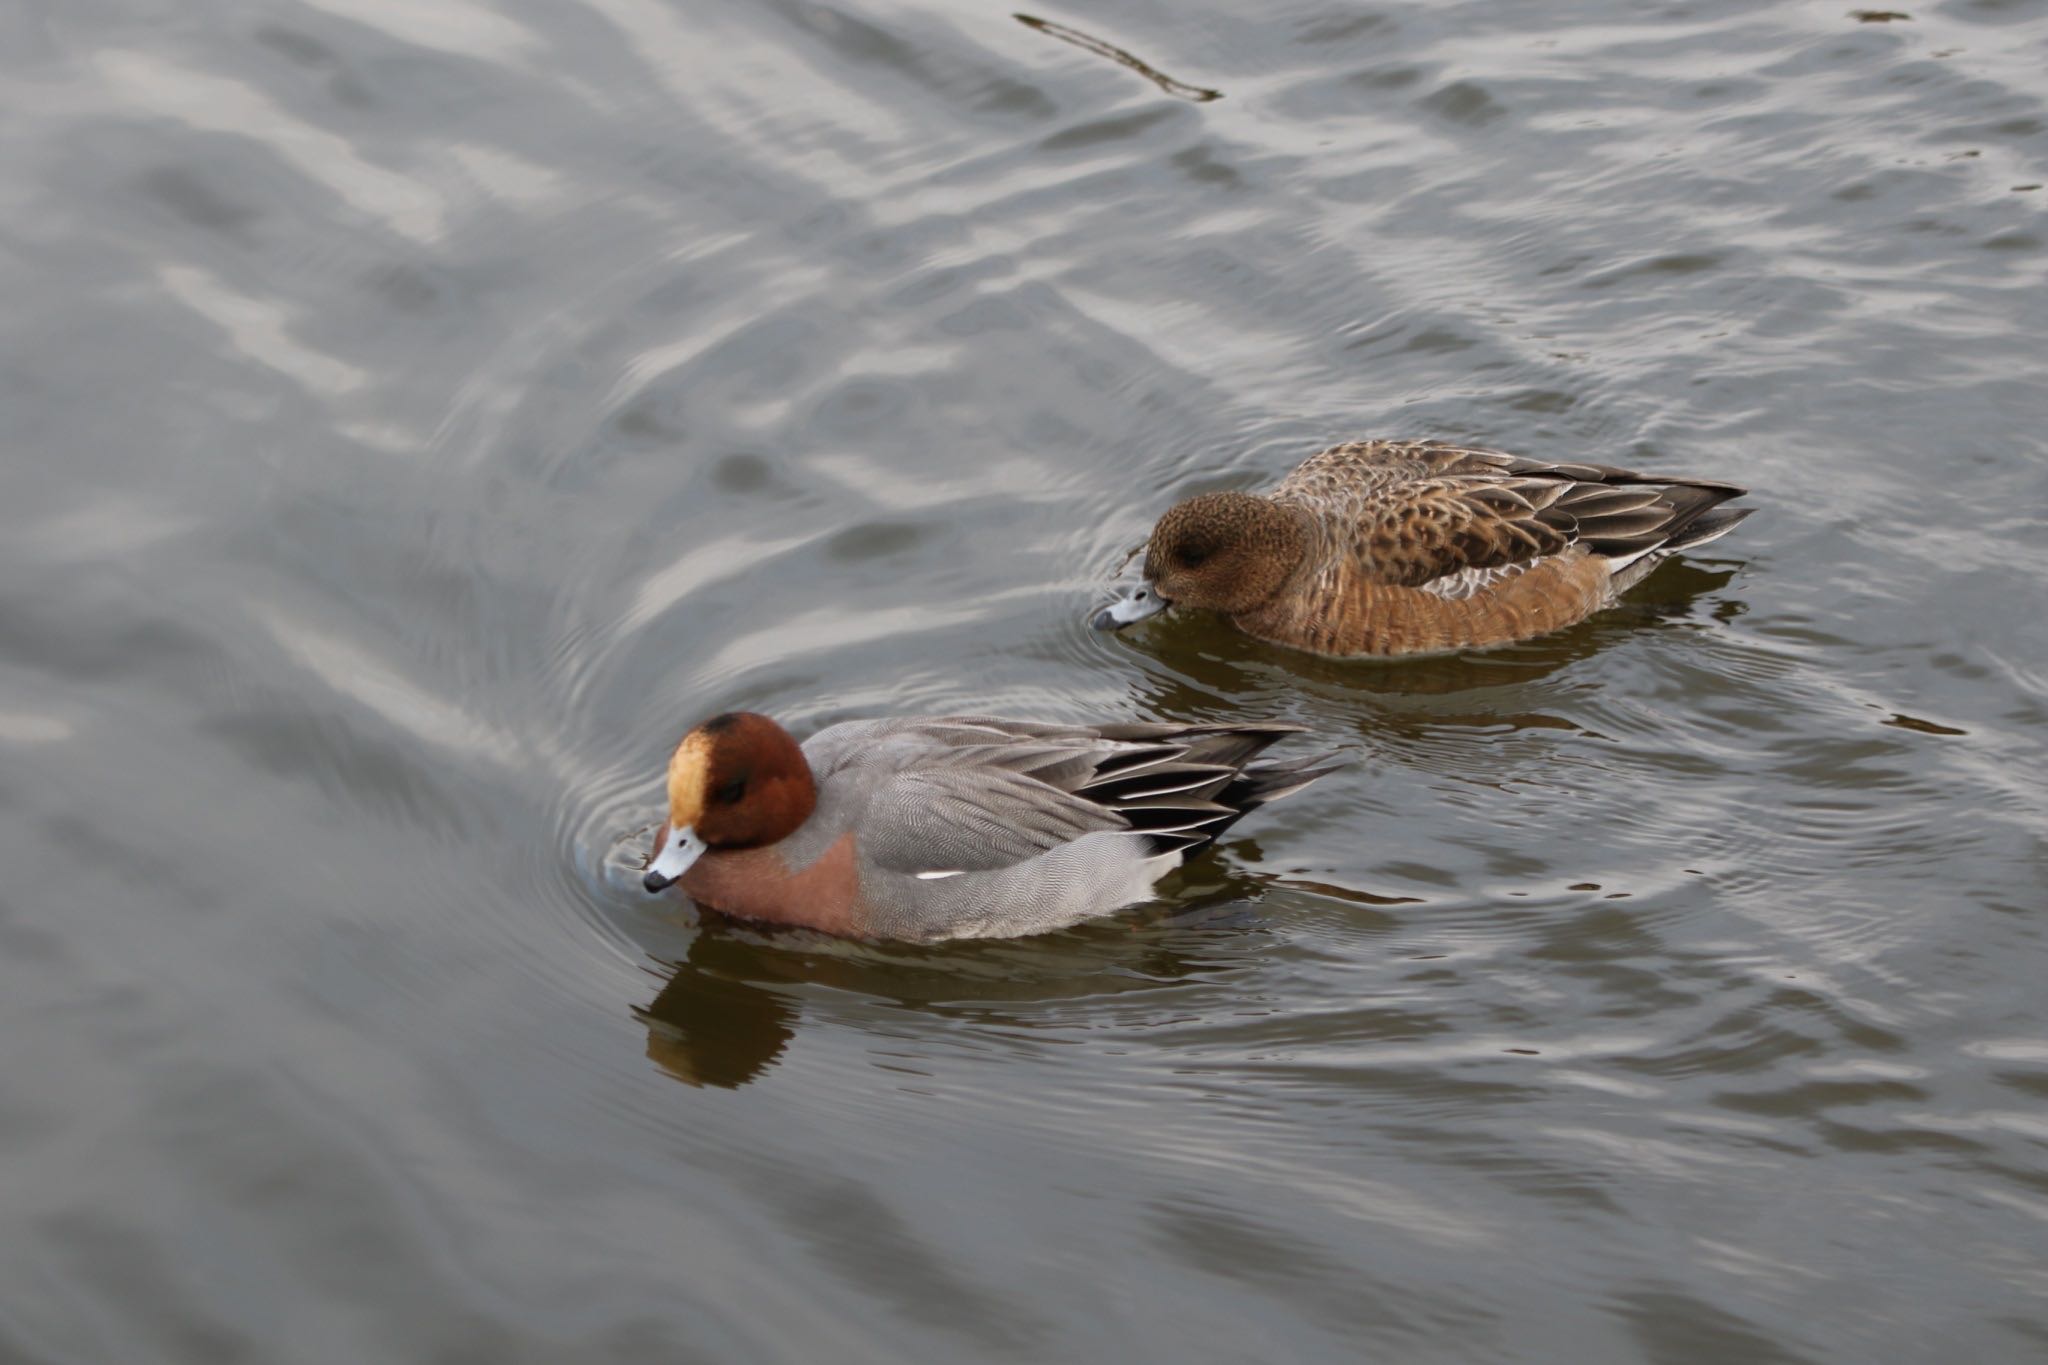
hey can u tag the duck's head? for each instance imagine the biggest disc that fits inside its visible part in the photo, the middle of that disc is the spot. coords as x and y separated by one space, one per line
736 781
1227 552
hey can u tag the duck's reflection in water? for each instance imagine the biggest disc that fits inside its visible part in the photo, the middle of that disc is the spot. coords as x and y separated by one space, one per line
707 1026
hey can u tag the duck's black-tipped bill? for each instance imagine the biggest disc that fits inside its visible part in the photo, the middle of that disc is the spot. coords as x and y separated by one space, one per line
674 851
1134 605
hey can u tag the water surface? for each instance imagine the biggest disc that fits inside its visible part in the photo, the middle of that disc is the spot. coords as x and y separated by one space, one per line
414 416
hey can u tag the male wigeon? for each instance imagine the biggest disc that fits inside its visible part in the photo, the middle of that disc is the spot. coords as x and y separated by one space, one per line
1419 547
953 826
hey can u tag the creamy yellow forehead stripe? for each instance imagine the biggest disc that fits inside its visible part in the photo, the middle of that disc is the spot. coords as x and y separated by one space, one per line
689 771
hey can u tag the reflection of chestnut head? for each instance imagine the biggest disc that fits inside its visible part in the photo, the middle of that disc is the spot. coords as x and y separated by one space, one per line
705 1029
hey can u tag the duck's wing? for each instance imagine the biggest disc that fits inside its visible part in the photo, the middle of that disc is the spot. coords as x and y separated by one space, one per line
1456 519
936 822
1364 467
984 793
1361 468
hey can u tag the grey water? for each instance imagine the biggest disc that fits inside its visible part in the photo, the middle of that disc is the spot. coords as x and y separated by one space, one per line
414 415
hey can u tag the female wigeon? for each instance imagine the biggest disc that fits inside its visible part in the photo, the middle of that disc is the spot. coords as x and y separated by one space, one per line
953 826
1419 547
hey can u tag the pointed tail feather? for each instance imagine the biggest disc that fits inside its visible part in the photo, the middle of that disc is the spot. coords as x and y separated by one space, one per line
1625 571
1263 783
1711 526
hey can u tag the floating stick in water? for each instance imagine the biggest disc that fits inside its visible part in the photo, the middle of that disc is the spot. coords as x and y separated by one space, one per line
1122 58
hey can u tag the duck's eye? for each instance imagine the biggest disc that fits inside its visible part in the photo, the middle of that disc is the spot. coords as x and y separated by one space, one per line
731 791
1192 558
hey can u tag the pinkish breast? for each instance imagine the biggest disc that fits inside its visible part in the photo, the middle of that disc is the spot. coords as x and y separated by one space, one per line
757 884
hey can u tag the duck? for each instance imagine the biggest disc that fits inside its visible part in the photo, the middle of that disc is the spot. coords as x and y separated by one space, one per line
1392 548
946 827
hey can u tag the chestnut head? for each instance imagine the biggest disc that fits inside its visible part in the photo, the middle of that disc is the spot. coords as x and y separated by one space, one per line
736 781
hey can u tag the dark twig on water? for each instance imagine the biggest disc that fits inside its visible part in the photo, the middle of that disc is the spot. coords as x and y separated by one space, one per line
1081 40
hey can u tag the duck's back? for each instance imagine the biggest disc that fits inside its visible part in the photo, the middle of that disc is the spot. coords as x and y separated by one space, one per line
1425 547
977 825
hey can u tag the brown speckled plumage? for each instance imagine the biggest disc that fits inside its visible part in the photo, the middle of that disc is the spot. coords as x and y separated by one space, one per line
1411 547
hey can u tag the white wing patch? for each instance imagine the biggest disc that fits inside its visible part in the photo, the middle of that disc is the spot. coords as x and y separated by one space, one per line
1456 587
935 876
